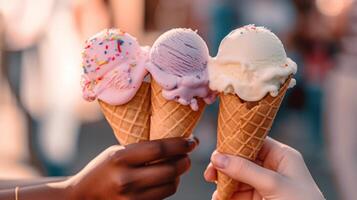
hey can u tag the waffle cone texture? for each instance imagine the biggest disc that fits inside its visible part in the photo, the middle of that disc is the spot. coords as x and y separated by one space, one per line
242 128
130 121
169 118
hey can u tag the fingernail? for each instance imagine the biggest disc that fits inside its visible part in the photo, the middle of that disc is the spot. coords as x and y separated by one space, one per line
197 140
219 160
191 142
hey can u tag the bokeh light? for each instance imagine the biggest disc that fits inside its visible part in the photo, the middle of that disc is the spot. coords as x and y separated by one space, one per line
332 7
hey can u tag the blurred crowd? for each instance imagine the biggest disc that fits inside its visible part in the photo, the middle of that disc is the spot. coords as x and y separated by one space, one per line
44 121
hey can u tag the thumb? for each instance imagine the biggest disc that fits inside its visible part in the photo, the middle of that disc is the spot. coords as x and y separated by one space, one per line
245 171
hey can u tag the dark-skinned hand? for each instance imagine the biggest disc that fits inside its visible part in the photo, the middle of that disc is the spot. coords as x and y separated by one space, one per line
143 171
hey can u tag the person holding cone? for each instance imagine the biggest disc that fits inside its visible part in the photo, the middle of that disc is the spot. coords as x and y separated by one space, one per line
251 75
279 173
147 171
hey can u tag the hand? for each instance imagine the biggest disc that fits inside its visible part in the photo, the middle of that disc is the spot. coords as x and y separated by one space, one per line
145 171
279 173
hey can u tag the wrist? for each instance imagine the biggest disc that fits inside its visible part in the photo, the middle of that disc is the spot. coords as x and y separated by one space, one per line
64 188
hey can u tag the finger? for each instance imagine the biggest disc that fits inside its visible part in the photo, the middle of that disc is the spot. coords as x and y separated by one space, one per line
270 145
195 138
156 193
238 195
243 170
146 152
210 173
244 187
214 195
243 195
275 155
161 173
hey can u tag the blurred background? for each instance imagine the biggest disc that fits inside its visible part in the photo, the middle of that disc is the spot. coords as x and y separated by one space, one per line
46 129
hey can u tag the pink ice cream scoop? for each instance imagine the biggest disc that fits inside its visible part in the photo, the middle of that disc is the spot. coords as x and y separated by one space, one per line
113 66
179 65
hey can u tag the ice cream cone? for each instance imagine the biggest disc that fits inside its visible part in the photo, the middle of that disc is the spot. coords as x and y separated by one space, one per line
242 128
130 121
171 119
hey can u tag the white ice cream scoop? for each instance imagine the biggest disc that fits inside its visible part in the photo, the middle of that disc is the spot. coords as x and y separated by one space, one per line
251 62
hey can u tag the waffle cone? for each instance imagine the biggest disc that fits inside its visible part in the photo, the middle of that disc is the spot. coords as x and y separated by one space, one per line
131 121
242 128
169 118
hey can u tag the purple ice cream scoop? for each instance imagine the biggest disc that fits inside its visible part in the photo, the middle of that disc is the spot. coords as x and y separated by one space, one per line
179 60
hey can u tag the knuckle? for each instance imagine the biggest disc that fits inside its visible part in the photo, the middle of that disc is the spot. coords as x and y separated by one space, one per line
115 153
238 165
292 152
158 149
124 184
297 154
274 182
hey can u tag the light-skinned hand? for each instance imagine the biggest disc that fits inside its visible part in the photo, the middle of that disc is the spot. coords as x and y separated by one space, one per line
279 173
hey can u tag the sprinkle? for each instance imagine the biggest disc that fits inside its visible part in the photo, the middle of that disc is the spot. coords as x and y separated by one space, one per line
100 78
117 54
133 65
87 47
100 43
92 60
118 45
100 63
105 52
98 68
106 47
198 77
286 65
113 58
